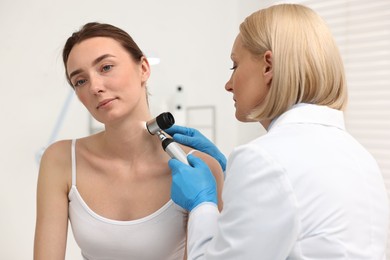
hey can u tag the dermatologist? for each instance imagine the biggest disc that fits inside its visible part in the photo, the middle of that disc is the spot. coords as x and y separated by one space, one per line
304 190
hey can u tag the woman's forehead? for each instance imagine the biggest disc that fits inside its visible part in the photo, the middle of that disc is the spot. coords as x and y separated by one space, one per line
91 48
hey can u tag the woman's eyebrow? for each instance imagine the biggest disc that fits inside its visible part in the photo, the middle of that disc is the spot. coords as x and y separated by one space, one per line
96 61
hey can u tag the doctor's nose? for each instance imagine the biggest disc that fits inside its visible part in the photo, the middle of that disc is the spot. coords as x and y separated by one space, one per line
229 86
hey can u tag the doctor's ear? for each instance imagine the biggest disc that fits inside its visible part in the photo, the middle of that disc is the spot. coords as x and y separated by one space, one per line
268 67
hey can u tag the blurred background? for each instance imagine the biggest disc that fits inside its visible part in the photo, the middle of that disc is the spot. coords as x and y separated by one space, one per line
192 40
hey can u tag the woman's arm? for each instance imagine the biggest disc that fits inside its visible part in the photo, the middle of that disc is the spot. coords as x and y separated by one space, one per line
216 169
52 202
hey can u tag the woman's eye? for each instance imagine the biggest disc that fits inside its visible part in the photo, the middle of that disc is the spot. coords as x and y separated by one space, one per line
234 67
79 82
107 67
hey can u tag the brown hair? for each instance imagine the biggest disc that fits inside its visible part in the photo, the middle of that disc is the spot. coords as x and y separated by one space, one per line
91 30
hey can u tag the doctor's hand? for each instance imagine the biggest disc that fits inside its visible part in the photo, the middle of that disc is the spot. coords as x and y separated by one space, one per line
193 138
192 185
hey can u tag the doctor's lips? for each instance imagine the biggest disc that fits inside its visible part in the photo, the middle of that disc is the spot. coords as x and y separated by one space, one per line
104 102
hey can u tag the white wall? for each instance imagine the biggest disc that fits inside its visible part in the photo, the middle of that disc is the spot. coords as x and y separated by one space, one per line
192 38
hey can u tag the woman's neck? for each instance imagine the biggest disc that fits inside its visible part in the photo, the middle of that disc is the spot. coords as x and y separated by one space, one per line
130 140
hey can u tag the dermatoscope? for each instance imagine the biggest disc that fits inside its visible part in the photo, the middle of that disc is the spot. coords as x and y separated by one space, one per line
161 122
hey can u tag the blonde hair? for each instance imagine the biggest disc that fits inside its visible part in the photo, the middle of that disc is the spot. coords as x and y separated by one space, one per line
307 66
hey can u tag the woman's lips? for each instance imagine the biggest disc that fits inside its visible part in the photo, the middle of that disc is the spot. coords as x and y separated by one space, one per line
104 102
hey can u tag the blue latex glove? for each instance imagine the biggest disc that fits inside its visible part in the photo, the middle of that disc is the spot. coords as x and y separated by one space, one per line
193 138
192 185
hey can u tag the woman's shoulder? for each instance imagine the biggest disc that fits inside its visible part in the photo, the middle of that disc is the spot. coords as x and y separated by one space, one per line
57 155
60 153
55 165
215 168
57 151
209 160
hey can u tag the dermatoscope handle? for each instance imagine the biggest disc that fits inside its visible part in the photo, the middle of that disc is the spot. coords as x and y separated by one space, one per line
174 150
161 122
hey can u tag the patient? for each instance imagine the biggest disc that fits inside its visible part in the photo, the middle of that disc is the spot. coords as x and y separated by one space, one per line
114 186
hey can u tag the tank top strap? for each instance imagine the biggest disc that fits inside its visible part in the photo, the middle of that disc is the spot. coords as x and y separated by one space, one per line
73 154
192 151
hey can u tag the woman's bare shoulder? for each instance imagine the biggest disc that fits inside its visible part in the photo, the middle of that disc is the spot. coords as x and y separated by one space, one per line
60 151
216 170
55 165
213 164
57 152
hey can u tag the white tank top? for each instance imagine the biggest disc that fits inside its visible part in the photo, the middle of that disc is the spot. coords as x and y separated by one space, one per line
159 236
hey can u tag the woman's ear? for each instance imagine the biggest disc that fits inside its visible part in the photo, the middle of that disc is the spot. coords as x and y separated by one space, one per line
145 69
268 67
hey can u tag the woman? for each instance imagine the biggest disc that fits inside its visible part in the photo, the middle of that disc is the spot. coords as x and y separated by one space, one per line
306 189
113 185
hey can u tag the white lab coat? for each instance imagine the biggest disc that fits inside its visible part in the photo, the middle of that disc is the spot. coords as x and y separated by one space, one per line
305 190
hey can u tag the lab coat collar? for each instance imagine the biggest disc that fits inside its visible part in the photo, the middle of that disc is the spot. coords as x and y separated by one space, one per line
312 114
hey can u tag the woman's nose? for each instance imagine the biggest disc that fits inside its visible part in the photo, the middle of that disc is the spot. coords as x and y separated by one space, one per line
97 85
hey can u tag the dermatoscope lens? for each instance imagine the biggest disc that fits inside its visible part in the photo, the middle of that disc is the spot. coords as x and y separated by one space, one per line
165 120
161 122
